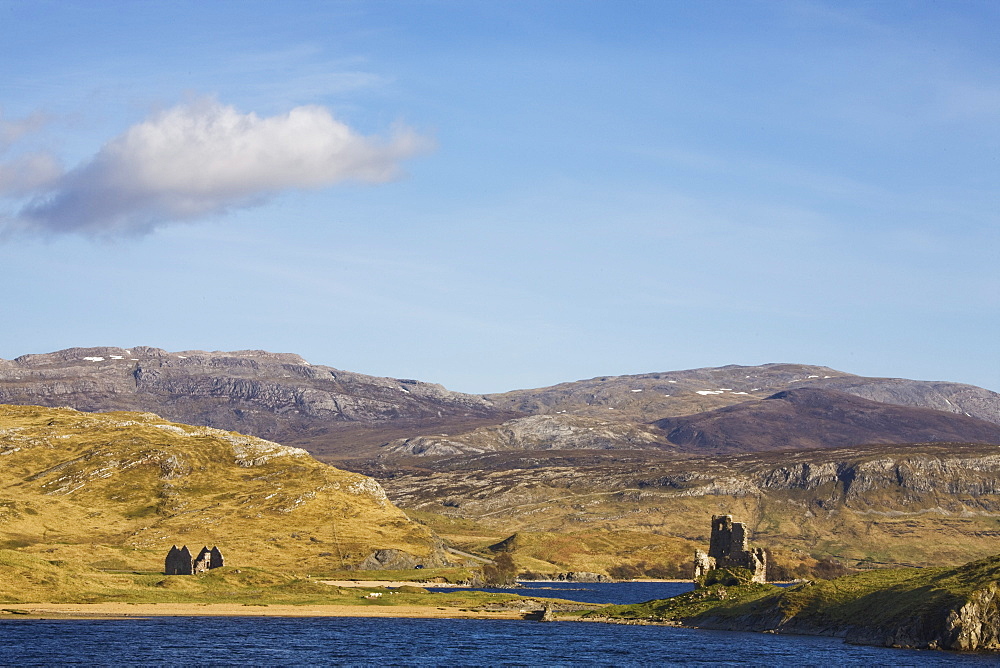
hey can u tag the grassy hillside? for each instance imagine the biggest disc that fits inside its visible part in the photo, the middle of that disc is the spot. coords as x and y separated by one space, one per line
623 554
953 608
116 490
922 504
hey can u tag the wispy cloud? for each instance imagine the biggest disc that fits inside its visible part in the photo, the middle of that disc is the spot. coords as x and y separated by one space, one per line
11 131
201 159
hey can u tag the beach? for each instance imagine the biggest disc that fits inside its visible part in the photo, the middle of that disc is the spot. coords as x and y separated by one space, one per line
126 610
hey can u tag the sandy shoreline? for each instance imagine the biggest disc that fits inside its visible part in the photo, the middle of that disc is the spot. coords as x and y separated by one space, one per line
389 583
127 610
27 611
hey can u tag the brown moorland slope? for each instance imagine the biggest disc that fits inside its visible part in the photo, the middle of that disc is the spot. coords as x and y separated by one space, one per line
921 504
116 490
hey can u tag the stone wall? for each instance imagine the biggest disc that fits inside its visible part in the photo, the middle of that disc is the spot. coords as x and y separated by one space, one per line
179 561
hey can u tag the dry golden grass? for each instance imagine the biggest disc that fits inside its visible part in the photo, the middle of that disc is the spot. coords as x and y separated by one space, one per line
116 490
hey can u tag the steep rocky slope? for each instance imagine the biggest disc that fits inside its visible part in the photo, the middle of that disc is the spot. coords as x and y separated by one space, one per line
271 395
117 490
809 417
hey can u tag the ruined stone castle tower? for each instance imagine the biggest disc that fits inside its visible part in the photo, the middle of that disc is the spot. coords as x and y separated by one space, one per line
728 548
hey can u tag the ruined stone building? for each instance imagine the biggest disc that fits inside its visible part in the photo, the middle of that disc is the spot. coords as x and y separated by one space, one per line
179 561
728 548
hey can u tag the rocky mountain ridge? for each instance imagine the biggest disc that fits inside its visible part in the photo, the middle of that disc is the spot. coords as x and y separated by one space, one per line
344 416
795 419
272 395
648 397
648 402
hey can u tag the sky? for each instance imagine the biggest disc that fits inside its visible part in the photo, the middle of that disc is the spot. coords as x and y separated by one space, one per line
495 195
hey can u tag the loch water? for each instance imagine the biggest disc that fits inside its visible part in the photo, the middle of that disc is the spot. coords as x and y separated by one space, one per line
347 641
594 592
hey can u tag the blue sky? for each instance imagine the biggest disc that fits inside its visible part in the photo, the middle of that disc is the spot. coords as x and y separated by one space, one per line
500 195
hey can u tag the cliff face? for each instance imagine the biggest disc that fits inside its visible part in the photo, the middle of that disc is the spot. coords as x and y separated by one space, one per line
866 481
975 625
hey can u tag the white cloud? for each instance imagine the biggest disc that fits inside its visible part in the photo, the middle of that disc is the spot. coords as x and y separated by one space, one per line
205 158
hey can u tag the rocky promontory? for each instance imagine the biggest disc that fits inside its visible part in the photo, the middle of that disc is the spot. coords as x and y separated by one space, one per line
933 608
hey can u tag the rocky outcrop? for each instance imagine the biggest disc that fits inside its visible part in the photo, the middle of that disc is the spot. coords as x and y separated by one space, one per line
934 608
581 576
975 625
536 432
968 623
396 560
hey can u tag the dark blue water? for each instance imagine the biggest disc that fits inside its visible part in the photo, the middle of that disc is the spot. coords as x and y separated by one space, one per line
600 592
425 642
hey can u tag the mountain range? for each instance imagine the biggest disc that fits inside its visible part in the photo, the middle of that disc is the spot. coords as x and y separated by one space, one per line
344 416
817 462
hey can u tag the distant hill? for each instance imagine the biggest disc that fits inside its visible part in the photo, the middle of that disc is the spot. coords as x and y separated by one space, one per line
809 417
344 416
116 490
271 395
651 396
797 419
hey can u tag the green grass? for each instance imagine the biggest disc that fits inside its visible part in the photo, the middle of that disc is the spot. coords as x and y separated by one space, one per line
26 578
909 603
